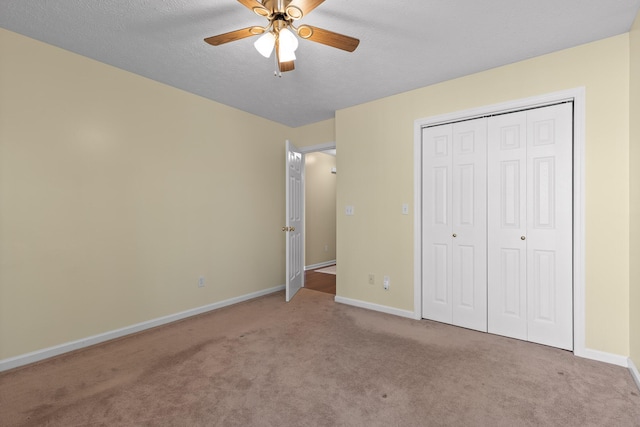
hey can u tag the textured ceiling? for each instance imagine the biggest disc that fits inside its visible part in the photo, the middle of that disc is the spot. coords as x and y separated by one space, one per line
404 44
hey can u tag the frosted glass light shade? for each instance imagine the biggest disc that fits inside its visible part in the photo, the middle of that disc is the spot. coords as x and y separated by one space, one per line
287 41
286 55
265 44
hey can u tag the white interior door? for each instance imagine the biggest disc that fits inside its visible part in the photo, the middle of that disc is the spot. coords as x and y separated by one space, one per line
549 226
437 165
507 223
294 220
454 221
530 281
469 250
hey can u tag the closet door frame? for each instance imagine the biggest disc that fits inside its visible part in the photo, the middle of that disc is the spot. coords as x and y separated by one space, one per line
577 96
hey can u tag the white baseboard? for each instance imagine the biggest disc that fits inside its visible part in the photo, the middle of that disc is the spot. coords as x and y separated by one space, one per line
319 265
36 356
586 353
602 356
375 307
634 372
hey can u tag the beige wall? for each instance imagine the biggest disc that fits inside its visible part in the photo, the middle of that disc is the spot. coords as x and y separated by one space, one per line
314 134
320 208
634 162
375 141
117 193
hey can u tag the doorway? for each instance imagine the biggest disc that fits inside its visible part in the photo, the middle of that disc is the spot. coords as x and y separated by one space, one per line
319 207
320 220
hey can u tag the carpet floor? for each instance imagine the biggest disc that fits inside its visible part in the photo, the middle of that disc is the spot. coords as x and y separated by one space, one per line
314 362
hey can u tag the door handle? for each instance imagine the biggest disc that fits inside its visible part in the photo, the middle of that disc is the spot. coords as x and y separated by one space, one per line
522 237
292 229
455 235
285 228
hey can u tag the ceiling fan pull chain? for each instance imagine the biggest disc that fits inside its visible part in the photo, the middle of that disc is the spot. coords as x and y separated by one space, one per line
276 71
275 65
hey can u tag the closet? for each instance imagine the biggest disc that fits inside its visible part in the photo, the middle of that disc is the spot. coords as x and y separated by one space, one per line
497 224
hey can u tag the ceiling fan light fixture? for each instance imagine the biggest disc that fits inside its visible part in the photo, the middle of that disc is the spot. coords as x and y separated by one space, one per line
265 44
286 54
287 40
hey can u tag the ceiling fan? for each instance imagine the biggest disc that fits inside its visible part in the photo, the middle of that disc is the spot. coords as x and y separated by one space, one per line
278 34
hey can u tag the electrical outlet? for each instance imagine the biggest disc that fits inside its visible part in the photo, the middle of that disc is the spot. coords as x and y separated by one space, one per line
201 282
372 279
386 282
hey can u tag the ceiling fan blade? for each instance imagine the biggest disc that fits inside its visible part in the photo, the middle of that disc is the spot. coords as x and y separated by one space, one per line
328 38
286 66
234 35
256 6
299 8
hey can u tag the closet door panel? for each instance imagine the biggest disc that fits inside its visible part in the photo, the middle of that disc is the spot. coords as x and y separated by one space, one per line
549 226
437 154
506 241
469 237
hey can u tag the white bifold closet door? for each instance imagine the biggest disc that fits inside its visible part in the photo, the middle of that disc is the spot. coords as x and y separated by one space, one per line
530 287
454 224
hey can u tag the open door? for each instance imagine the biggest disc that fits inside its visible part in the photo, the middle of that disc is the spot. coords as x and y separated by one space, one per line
294 220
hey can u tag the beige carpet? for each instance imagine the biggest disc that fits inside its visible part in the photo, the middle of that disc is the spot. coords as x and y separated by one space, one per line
329 270
313 362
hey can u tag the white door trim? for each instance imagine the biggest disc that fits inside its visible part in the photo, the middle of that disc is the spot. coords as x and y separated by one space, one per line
577 95
318 147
